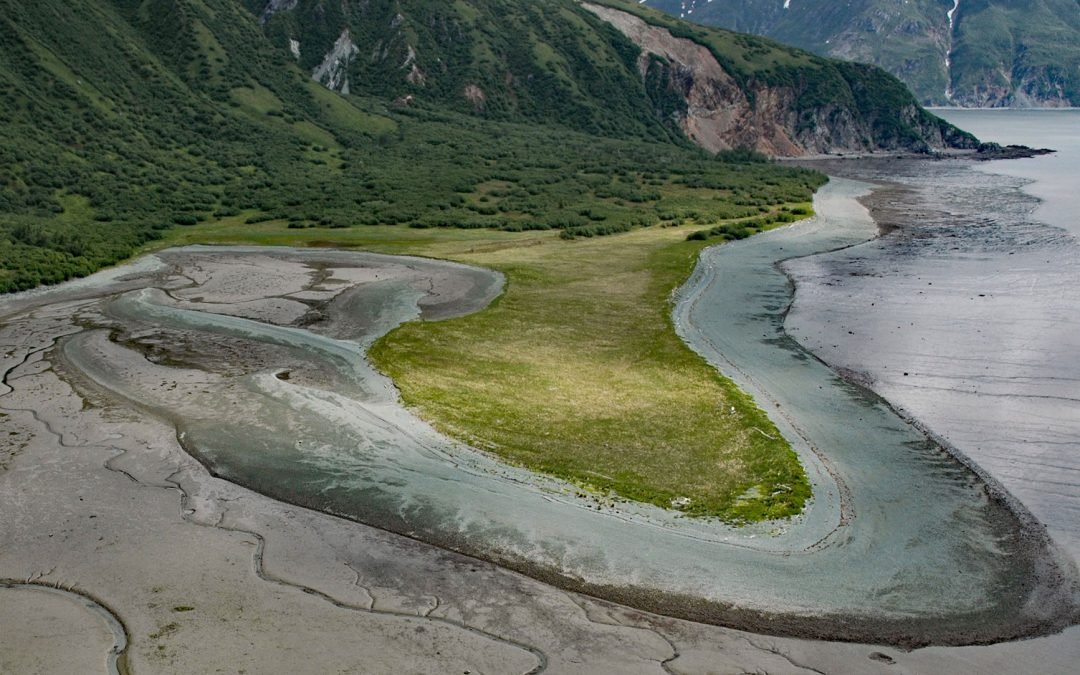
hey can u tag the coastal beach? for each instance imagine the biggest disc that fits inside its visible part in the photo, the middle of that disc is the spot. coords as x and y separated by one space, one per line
211 345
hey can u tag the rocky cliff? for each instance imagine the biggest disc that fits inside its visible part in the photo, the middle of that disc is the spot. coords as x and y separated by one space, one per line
719 114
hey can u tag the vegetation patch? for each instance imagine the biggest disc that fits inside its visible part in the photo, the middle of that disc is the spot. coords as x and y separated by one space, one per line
577 372
197 113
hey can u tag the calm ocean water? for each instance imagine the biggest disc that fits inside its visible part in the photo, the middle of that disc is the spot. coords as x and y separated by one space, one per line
966 316
1056 177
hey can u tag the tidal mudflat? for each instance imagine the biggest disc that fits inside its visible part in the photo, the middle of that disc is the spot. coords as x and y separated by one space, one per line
255 358
251 360
965 321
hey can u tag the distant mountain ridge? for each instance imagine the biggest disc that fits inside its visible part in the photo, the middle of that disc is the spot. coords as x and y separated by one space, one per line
975 53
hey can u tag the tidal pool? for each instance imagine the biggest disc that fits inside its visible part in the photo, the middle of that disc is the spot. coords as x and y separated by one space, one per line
256 357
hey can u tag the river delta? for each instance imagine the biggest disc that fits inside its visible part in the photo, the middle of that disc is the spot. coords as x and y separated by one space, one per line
181 427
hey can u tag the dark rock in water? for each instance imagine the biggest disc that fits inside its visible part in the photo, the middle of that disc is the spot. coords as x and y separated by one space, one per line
882 658
987 151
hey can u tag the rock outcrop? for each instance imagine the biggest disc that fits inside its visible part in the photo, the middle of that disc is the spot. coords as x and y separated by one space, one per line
333 72
720 114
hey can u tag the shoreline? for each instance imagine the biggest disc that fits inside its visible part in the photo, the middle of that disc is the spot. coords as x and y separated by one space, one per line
116 656
876 200
904 633
796 620
987 152
1059 564
875 197
908 228
1057 568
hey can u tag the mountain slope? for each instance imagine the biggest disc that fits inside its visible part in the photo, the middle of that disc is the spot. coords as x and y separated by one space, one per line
960 52
123 118
588 65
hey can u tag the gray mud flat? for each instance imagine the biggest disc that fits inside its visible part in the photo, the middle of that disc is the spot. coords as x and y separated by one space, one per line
936 521
28 609
964 313
255 358
1002 388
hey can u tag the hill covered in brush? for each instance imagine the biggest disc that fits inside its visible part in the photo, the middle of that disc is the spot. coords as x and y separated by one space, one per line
123 118
609 67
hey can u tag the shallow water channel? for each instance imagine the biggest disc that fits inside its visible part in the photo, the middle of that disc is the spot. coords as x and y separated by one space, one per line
256 357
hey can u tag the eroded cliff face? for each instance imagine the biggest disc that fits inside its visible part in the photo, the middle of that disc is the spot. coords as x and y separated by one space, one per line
718 115
333 72
721 115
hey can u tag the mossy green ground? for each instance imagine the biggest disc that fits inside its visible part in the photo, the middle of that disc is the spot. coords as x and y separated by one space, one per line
576 370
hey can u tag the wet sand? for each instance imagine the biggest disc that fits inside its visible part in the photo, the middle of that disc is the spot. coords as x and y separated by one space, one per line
234 349
899 487
34 615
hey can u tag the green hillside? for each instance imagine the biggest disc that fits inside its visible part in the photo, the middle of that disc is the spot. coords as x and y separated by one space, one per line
543 62
125 118
1014 52
395 125
557 62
